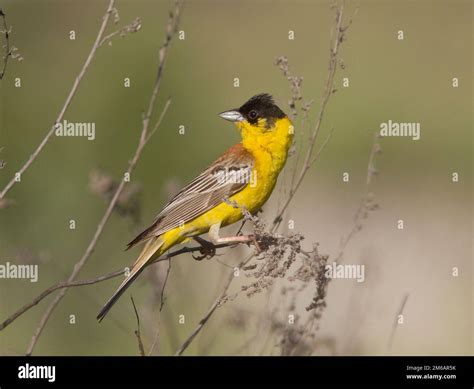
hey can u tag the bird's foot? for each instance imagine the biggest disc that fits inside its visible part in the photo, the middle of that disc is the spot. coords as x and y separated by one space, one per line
207 250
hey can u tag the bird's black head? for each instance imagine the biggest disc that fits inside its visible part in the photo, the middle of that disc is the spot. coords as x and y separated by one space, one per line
261 106
256 108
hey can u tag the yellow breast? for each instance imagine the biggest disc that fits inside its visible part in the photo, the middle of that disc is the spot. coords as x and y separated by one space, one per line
269 147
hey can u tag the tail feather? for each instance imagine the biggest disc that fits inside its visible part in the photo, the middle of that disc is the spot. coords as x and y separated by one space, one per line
151 248
141 237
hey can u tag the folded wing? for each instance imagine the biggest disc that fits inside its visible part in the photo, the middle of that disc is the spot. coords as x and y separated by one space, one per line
225 177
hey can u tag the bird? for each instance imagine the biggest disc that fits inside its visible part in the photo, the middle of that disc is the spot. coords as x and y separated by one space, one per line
242 178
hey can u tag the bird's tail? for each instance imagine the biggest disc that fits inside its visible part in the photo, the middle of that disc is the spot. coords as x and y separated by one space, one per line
153 249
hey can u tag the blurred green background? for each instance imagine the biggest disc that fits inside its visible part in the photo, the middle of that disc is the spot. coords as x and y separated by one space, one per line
405 81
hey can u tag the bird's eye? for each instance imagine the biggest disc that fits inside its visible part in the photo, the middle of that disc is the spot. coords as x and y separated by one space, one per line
253 114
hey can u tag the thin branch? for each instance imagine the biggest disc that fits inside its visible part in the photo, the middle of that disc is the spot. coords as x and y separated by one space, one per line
320 150
302 130
337 34
395 323
130 28
6 45
366 203
155 341
162 294
162 304
69 98
160 119
137 331
2 162
92 281
216 304
296 96
170 29
53 288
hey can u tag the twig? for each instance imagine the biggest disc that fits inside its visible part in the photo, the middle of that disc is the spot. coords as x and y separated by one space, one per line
2 162
216 304
6 45
155 341
366 203
137 331
338 35
320 150
162 304
296 96
96 280
160 119
162 295
395 323
132 27
170 29
69 98
295 85
53 288
302 136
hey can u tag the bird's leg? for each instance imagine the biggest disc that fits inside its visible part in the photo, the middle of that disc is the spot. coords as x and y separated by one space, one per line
207 248
241 226
216 239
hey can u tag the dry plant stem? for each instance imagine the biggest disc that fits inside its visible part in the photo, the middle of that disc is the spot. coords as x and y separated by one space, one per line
320 150
69 98
137 331
170 29
337 34
160 119
304 120
162 294
52 289
134 26
96 280
395 322
6 45
371 171
155 341
213 307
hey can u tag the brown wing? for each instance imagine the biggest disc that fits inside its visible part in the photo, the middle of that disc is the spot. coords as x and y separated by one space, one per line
225 177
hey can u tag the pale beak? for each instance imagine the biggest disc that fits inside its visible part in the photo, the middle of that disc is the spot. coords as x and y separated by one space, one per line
232 116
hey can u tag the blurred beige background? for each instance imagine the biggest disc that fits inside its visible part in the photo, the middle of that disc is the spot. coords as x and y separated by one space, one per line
405 81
